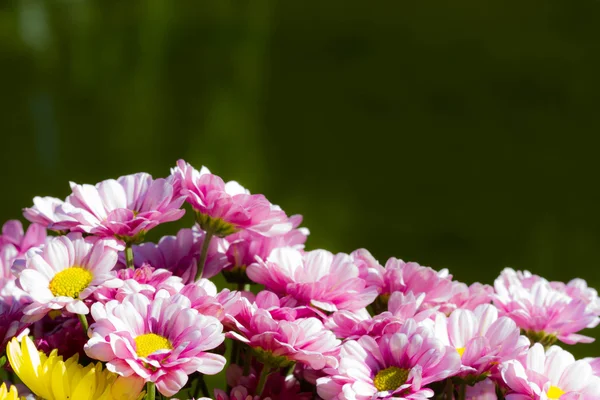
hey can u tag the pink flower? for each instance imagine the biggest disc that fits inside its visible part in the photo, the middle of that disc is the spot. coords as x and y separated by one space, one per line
44 210
65 335
179 254
277 386
484 390
398 365
551 375
145 280
65 272
278 343
318 278
14 243
353 325
125 208
204 298
545 313
245 246
12 303
400 276
225 208
467 297
578 289
481 338
161 340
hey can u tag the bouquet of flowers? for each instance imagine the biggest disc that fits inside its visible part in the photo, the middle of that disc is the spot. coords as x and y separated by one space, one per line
90 310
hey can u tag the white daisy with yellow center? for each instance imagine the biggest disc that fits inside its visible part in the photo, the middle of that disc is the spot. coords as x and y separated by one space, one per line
65 271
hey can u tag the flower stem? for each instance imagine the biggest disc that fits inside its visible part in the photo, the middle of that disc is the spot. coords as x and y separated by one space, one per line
129 255
449 389
462 391
84 323
247 361
203 253
264 374
202 386
150 391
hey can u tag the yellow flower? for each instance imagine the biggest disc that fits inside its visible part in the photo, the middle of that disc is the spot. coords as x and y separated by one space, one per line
51 378
11 394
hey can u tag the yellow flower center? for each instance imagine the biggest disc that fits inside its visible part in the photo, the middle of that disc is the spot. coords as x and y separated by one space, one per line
461 350
390 378
149 343
70 282
555 392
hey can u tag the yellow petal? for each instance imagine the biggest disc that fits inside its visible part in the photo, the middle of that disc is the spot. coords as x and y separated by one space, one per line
86 387
127 388
60 383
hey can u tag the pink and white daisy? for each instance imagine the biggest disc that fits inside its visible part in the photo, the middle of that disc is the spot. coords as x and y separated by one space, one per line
12 303
245 246
65 272
353 325
481 338
14 243
549 375
467 297
43 212
145 280
400 276
204 298
162 340
225 208
398 365
278 343
578 289
545 313
180 254
318 278
125 208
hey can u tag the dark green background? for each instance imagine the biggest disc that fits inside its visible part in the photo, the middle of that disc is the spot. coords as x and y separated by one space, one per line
459 134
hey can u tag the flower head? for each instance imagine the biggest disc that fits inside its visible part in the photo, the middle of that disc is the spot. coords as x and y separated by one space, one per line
49 377
12 303
44 212
180 254
278 343
125 208
397 365
14 243
541 310
318 278
549 375
400 276
226 208
161 340
63 334
481 338
204 298
8 394
145 279
244 247
353 325
65 272
467 297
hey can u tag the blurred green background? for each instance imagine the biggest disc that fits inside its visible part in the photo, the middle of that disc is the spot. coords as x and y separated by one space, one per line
459 134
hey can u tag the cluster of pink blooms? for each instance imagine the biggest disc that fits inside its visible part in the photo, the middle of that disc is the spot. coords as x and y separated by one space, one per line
292 324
